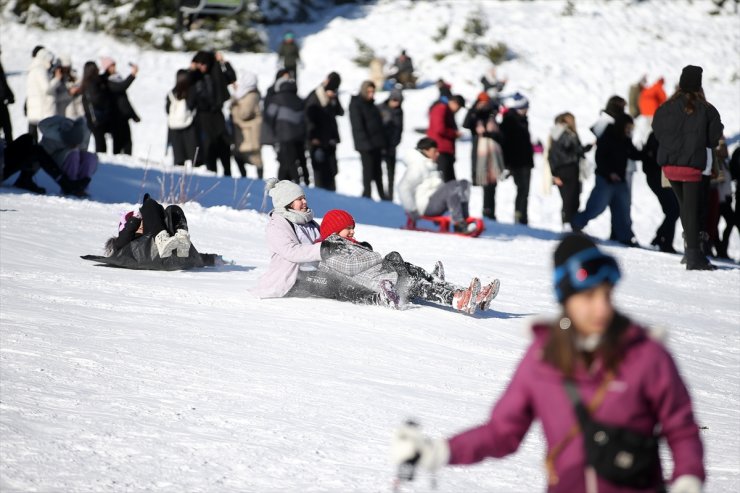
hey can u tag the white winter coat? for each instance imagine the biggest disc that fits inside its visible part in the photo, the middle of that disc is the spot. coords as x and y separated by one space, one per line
421 180
40 88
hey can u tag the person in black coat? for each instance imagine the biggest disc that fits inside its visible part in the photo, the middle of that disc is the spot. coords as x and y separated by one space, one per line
481 121
518 153
668 202
211 75
322 109
285 114
6 99
121 109
686 126
566 152
369 137
97 101
392 114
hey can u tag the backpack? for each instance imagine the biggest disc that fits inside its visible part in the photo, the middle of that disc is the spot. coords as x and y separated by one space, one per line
179 116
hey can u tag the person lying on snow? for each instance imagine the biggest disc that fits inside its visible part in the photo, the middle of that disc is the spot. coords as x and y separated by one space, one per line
154 238
423 193
294 269
342 253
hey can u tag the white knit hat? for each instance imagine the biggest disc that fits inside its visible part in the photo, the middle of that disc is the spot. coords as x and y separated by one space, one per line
283 192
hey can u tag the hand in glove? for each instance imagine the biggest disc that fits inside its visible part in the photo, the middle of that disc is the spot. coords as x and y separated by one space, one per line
686 484
333 245
411 448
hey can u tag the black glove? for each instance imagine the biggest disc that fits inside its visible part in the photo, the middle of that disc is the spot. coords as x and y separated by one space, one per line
366 245
333 245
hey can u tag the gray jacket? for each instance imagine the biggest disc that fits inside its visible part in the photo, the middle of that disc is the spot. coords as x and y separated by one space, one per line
359 263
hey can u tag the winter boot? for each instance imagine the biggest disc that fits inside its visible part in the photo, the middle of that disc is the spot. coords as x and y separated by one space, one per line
487 294
25 181
438 273
464 227
165 243
705 244
387 296
73 187
465 300
695 260
183 242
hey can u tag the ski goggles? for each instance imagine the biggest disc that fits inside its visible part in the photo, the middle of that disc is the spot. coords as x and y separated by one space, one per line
585 270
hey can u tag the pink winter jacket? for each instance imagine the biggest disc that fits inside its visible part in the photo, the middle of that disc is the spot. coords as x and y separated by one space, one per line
287 255
647 390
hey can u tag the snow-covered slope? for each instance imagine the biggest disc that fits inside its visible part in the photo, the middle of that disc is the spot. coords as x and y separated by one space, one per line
118 380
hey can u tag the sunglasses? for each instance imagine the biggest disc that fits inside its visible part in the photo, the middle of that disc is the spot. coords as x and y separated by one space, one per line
586 270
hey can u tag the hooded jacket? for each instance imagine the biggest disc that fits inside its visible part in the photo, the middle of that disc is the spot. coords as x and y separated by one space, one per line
647 391
40 88
421 179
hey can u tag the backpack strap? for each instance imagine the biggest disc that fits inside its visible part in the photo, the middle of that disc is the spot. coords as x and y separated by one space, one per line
583 413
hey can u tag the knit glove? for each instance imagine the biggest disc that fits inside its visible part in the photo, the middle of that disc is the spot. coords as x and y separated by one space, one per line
686 484
411 448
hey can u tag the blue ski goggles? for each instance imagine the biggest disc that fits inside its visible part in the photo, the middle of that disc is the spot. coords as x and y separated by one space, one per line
583 271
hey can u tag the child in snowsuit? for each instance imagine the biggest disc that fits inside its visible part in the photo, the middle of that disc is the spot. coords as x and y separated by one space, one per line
341 253
595 358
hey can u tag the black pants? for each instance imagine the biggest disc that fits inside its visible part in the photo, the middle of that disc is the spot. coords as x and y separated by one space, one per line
289 154
521 180
24 155
324 164
156 218
666 232
216 147
33 131
446 164
121 132
689 196
570 192
326 283
372 171
99 132
303 165
5 123
731 219
489 201
389 156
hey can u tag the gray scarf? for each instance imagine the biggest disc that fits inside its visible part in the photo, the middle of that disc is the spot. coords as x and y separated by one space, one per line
296 217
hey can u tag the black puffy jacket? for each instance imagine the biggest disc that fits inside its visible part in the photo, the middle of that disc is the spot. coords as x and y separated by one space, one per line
367 124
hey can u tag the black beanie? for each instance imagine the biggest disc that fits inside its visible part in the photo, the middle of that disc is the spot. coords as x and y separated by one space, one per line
426 143
570 245
690 80
332 82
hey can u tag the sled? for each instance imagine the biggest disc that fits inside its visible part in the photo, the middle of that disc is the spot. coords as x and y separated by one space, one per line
444 225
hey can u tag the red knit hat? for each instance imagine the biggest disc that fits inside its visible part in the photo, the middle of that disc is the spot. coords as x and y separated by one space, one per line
335 221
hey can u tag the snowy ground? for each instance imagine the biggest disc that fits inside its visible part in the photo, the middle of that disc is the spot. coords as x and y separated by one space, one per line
120 380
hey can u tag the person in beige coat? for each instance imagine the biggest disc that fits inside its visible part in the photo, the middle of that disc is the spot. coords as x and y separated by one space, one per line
247 118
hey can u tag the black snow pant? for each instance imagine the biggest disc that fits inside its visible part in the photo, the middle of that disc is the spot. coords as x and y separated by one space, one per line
389 156
415 282
570 192
24 155
289 154
372 171
489 201
326 283
303 165
5 123
689 196
732 220
521 180
666 232
156 218
446 165
121 132
99 132
324 164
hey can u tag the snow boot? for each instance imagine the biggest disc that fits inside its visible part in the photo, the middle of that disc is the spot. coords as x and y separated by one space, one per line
465 300
465 228
183 243
487 294
165 243
438 273
25 181
695 260
387 296
73 187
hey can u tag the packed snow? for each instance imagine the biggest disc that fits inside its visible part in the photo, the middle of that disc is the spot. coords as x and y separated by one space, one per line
122 380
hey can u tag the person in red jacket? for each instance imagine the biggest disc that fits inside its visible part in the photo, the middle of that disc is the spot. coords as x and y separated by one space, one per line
624 383
651 98
443 129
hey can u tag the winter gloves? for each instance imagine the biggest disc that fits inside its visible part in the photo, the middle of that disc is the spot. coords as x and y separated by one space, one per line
410 448
333 245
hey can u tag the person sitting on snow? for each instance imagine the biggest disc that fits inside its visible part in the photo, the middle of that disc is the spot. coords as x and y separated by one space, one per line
294 269
424 193
342 253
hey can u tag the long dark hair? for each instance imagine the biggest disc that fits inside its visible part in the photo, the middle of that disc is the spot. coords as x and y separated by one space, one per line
182 84
90 75
561 351
691 99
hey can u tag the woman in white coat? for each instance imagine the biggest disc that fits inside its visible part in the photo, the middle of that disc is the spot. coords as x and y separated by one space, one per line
41 90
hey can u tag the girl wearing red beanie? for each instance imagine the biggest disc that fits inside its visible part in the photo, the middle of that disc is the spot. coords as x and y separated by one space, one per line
342 253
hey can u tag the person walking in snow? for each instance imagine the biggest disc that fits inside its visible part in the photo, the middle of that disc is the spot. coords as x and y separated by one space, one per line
686 126
487 157
342 253
295 255
285 116
180 106
443 129
518 152
392 113
369 138
604 389
423 192
121 109
322 109
246 116
565 155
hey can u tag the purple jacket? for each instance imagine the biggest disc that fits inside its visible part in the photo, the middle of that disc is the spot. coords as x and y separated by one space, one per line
646 391
287 255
